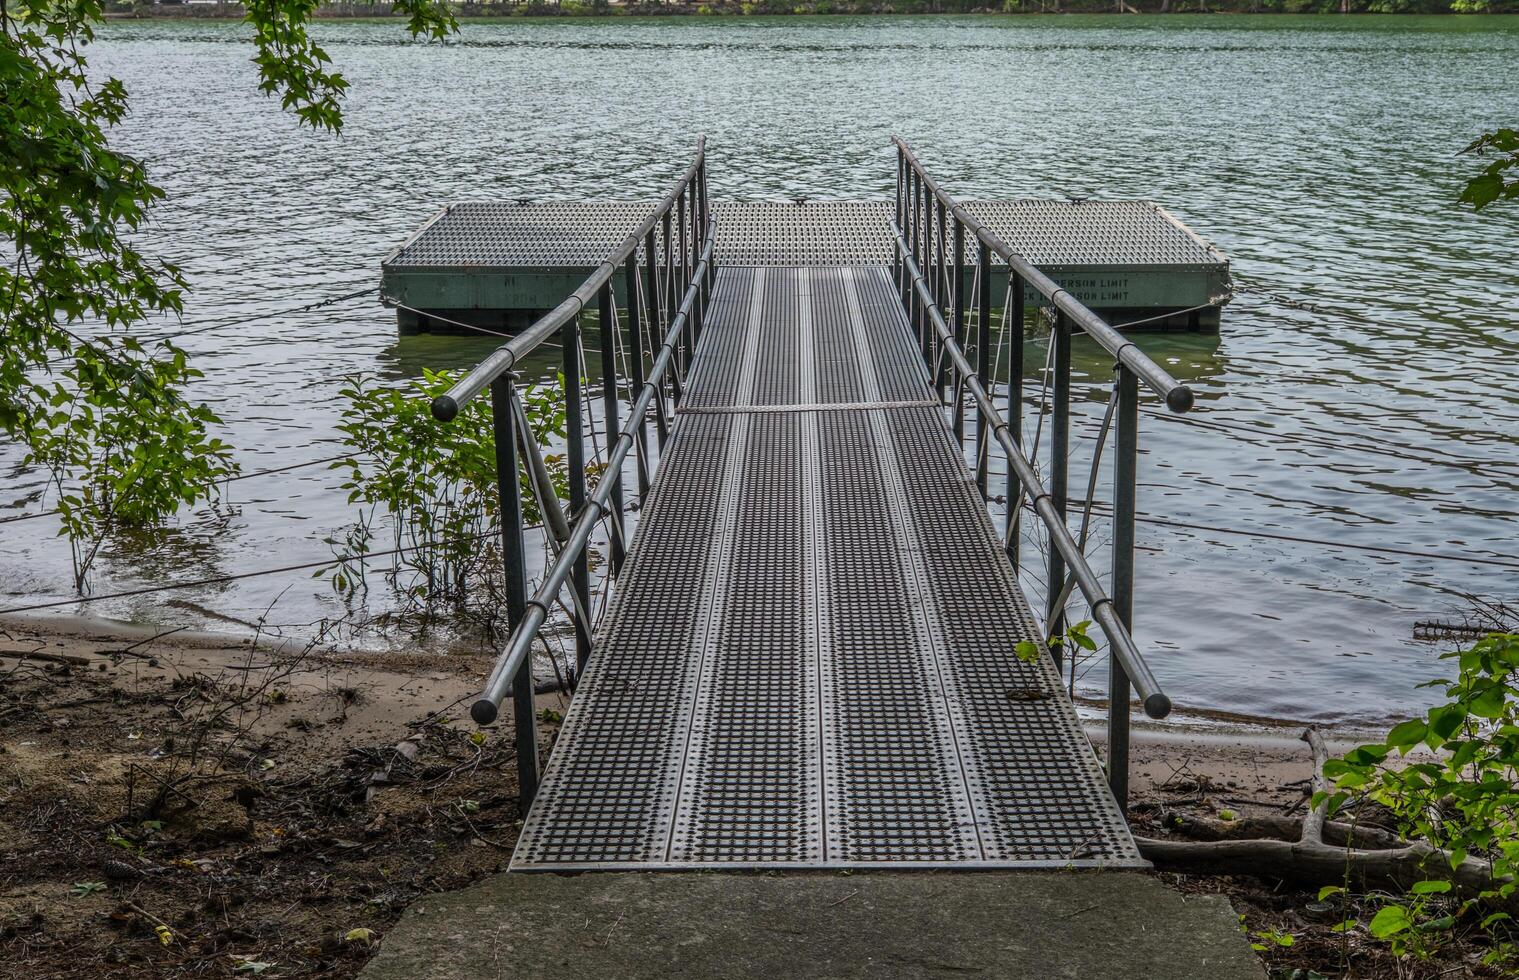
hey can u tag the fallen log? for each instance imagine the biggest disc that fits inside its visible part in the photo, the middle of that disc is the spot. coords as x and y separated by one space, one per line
1273 827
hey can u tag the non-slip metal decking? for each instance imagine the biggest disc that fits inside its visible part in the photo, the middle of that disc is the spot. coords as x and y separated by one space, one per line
810 659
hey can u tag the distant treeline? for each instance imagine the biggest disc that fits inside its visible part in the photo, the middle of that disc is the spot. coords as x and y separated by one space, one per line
592 8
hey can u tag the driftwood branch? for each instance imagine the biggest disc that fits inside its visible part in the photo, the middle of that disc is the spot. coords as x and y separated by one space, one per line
1313 822
1324 852
1274 827
52 658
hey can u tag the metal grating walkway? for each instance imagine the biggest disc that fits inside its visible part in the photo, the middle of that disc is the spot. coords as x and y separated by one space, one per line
501 235
809 661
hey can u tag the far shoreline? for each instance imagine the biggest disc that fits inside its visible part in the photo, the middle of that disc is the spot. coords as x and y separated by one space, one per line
579 9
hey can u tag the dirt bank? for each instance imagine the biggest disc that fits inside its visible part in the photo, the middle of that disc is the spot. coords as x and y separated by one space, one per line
190 804
195 805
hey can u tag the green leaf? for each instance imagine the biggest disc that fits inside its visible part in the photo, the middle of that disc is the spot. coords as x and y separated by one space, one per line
1489 702
1389 921
1407 735
1441 924
1482 190
1446 720
1431 887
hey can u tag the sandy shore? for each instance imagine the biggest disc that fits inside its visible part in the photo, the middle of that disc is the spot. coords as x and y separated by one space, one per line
1262 761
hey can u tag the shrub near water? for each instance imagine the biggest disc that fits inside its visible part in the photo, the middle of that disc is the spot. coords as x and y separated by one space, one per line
435 484
1464 800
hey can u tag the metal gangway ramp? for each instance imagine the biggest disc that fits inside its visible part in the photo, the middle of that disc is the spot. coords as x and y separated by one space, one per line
810 658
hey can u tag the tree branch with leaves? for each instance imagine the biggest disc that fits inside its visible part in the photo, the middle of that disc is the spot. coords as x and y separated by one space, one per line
1499 180
107 415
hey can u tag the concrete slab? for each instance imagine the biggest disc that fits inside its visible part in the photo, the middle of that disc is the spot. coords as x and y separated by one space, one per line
834 925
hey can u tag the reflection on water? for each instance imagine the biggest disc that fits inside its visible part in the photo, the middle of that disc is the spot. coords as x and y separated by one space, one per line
1361 391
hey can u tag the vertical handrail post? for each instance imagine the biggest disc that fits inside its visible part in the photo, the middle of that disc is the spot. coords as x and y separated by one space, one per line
612 413
941 256
574 437
1060 451
695 259
957 294
920 319
930 267
1125 480
686 268
896 260
635 366
656 327
706 219
1012 324
985 365
513 556
667 247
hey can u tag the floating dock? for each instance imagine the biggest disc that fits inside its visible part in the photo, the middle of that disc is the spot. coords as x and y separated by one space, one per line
501 265
817 652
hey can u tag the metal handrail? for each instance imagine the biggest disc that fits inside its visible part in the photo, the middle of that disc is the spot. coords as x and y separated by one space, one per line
1156 703
936 261
1178 397
667 265
446 406
518 646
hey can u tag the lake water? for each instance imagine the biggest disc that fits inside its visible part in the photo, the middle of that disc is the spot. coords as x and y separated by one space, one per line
1368 372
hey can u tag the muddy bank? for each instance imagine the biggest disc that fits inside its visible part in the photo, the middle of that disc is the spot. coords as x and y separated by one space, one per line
193 804
200 805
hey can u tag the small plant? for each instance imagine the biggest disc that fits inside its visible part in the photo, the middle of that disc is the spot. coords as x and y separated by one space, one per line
1462 797
1075 637
1265 939
436 484
1415 926
122 447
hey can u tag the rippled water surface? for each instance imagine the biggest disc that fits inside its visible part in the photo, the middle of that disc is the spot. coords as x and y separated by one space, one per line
1372 362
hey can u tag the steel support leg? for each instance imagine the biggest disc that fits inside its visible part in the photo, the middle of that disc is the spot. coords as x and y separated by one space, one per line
656 332
635 367
1060 452
611 412
574 428
515 579
1012 324
1125 479
985 363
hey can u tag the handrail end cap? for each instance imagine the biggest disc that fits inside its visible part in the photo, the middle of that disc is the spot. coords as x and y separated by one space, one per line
445 408
1180 399
1157 705
483 711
